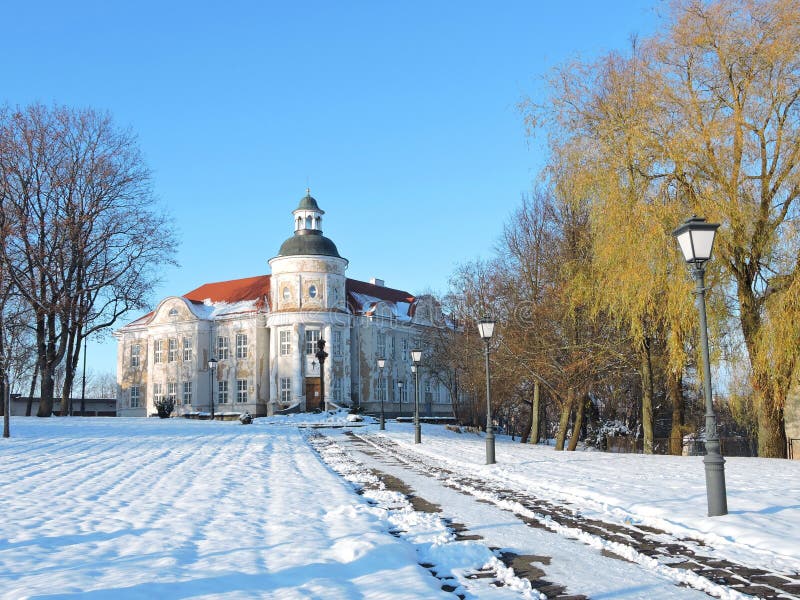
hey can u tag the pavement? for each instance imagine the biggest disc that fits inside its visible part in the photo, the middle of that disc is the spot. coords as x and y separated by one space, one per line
564 554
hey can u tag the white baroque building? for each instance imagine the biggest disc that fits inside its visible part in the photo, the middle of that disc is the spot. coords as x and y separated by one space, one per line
264 330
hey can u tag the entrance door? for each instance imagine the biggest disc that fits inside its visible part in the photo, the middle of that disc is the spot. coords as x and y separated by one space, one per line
313 394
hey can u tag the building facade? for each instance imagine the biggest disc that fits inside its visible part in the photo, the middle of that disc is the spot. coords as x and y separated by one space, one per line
264 332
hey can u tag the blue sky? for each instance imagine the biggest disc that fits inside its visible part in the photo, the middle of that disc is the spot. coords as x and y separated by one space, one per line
400 116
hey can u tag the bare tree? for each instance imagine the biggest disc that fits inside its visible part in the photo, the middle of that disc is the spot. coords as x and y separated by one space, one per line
87 240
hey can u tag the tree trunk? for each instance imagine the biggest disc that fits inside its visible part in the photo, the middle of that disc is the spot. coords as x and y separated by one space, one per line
771 433
47 387
29 406
647 396
563 422
535 415
7 412
675 384
580 409
771 426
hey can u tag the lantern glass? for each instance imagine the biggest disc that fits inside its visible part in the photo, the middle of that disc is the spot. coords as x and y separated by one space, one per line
381 363
486 328
696 239
416 355
212 363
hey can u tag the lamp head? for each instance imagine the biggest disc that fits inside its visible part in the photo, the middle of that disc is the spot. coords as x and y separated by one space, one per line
381 363
212 363
416 356
486 328
696 239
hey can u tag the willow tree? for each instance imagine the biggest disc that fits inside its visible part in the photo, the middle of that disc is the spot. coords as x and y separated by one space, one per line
731 86
606 110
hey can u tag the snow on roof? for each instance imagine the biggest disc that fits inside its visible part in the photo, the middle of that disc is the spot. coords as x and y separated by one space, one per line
212 300
365 297
211 310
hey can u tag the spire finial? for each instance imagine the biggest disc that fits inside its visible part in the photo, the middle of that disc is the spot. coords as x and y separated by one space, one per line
308 191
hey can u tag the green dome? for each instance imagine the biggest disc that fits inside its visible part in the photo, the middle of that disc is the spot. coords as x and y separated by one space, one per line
308 242
308 203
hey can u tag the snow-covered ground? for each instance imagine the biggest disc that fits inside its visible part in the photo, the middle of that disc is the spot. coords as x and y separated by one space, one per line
147 508
762 528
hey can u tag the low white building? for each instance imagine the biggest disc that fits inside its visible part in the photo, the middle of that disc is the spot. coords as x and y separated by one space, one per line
264 333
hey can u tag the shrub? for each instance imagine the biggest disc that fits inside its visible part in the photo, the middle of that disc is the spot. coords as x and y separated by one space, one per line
165 407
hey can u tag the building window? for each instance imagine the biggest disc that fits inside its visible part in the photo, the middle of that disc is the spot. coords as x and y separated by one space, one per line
404 392
312 291
286 390
241 345
286 293
222 389
172 350
136 350
405 349
241 391
428 392
158 392
337 390
337 343
381 344
135 396
187 392
222 348
158 351
187 349
173 312
312 337
286 342
172 392
380 390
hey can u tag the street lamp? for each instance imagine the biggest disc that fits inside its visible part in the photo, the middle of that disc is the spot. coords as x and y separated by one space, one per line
696 239
400 397
486 329
416 357
321 356
381 364
212 364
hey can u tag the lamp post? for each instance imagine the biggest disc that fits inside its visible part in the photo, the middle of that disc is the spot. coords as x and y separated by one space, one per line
486 329
416 357
212 364
696 239
321 356
400 398
381 364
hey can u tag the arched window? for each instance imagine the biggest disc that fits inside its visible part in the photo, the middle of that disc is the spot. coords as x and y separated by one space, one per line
299 223
308 222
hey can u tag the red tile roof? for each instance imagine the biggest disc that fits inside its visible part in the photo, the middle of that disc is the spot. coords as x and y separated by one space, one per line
257 288
378 291
236 290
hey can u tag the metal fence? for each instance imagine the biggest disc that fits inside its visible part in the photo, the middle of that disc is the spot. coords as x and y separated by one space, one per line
729 446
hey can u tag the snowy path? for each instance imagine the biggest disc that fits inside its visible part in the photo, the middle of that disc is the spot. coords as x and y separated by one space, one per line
177 509
565 563
683 561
